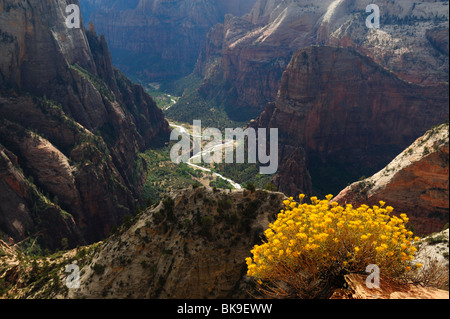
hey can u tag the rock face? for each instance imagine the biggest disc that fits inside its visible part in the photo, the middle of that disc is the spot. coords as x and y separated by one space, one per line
255 50
433 255
438 38
245 71
358 290
408 42
158 39
25 210
341 116
72 123
192 245
415 182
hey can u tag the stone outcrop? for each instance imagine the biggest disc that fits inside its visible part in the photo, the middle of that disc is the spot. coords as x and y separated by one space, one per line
192 245
254 53
342 116
415 183
407 42
388 290
73 122
26 212
157 40
439 39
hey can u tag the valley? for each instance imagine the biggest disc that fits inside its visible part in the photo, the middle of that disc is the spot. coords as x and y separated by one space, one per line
165 102
90 172
217 171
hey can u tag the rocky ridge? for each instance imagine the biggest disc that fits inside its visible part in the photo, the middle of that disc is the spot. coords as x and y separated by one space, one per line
415 182
191 245
71 126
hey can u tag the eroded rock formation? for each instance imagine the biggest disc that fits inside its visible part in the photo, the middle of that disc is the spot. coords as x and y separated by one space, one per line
192 245
245 71
415 183
72 123
341 116
158 40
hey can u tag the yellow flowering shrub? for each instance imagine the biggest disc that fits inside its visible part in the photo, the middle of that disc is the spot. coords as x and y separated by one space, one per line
312 246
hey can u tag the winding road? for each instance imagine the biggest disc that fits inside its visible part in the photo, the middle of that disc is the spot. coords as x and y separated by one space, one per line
184 131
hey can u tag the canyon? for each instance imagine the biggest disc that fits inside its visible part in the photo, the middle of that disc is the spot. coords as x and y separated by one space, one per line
347 99
71 127
244 58
158 40
348 102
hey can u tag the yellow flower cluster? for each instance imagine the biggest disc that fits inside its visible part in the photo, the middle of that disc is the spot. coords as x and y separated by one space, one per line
334 239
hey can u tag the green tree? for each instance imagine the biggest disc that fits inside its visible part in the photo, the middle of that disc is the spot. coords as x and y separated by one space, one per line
64 243
270 187
251 187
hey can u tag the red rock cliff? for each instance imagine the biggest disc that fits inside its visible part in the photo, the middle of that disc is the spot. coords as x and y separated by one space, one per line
257 47
344 116
74 123
158 40
415 183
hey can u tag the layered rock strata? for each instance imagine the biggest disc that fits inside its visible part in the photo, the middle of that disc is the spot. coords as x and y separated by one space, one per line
73 124
340 116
